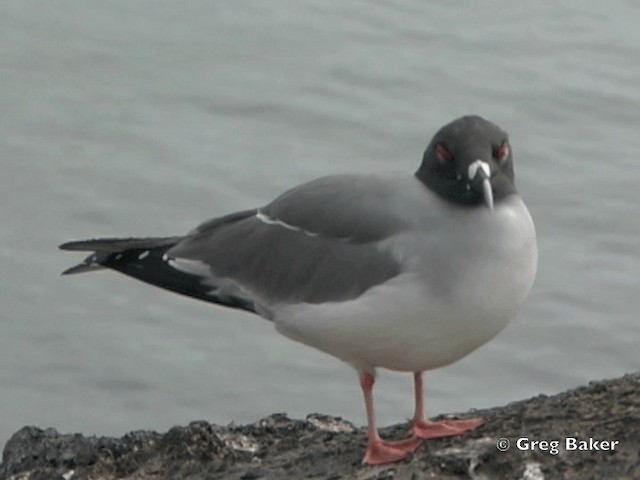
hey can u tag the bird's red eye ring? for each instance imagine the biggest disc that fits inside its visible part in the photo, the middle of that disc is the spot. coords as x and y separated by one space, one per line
443 154
502 152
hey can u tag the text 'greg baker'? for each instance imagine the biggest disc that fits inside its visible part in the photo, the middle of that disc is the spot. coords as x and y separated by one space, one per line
570 444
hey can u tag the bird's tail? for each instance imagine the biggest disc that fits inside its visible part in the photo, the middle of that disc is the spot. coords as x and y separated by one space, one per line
140 258
123 254
144 259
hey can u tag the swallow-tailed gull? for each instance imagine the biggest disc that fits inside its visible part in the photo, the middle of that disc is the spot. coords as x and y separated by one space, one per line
403 272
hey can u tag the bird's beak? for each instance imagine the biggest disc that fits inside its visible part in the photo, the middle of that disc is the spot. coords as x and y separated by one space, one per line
479 174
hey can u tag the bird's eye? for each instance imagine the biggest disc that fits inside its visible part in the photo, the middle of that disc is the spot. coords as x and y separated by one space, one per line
443 154
502 152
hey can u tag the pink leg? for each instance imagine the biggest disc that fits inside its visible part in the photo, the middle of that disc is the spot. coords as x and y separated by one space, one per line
378 450
423 428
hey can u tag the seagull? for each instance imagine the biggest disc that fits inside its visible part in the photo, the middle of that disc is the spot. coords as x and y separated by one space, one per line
403 272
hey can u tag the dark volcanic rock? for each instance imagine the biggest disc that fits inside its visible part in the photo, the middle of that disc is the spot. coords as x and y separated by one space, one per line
322 447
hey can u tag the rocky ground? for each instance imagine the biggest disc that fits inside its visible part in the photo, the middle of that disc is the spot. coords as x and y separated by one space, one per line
322 447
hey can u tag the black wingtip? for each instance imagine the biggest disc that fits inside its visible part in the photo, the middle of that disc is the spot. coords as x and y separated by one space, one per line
77 245
143 259
88 245
115 245
66 246
81 268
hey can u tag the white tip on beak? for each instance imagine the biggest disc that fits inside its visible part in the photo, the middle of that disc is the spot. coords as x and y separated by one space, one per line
480 171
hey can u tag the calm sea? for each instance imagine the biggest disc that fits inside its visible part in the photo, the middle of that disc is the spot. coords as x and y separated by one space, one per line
145 118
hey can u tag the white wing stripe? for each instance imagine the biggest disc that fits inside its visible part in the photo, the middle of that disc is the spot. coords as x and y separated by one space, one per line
274 221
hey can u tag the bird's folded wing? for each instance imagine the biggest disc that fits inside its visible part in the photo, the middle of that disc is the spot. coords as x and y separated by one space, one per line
319 242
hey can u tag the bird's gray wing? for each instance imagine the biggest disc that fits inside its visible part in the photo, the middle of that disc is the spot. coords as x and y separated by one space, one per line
316 243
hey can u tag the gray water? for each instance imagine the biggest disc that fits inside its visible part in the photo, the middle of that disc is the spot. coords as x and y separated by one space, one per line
145 118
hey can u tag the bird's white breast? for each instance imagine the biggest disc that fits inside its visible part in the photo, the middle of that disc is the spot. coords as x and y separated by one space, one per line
463 282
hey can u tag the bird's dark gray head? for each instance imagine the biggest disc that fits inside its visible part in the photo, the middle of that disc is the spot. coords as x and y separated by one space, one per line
469 162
